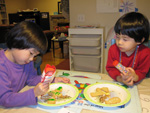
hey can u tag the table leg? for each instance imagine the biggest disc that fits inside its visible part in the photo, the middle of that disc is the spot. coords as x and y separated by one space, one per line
53 49
62 48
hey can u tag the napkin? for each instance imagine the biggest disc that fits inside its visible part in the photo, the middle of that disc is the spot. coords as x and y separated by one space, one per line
64 110
48 73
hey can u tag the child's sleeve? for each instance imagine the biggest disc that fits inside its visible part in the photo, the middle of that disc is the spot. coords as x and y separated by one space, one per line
9 97
33 78
143 63
12 99
113 55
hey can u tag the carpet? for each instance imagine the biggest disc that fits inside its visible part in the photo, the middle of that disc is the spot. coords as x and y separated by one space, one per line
64 65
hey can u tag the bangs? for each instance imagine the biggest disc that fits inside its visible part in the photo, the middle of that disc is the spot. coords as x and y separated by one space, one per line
132 29
134 25
126 29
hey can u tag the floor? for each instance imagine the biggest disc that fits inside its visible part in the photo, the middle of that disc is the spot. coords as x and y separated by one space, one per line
48 58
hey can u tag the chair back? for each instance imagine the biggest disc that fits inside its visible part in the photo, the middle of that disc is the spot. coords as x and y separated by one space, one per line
3 46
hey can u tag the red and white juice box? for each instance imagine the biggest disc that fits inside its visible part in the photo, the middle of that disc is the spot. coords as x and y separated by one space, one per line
48 73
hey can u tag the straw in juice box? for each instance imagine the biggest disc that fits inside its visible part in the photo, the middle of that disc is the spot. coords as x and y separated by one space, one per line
48 73
119 66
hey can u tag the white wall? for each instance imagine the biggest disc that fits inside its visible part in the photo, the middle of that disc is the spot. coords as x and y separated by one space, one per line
107 20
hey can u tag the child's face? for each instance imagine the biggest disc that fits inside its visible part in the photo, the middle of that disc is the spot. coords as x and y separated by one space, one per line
23 56
125 43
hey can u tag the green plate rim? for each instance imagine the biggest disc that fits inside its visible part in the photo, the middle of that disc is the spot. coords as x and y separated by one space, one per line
107 105
67 102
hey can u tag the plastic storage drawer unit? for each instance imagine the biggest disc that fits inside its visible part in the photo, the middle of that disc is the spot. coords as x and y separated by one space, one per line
86 63
85 50
84 41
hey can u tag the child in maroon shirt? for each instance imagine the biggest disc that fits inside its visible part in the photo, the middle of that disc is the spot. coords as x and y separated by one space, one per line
132 30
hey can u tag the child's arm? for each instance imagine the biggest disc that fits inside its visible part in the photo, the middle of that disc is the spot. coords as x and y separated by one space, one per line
33 79
113 54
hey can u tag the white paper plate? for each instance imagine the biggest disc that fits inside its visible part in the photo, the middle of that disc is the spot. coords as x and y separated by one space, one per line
68 89
115 91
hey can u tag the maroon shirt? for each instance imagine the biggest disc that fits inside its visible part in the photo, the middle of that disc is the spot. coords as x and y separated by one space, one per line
141 66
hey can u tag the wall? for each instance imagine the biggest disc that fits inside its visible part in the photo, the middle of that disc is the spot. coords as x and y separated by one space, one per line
12 6
43 5
106 20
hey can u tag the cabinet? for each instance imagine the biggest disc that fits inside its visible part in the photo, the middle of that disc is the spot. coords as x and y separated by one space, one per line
86 49
3 13
40 18
58 20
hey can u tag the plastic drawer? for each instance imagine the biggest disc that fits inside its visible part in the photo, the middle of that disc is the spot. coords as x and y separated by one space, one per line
84 41
86 50
86 63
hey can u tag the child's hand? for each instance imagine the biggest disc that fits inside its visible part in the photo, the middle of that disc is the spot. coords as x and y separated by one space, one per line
130 77
124 75
41 88
61 79
131 72
127 80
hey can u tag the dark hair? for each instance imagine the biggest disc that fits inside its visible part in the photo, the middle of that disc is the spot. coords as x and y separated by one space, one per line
27 35
134 25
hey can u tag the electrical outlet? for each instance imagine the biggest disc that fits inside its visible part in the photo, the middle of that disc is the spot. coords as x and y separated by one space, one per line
81 17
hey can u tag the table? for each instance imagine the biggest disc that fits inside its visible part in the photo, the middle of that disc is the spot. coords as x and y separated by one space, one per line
143 88
61 44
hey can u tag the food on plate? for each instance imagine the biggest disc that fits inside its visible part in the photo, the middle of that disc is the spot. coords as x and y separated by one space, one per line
113 100
100 92
95 94
105 89
51 101
54 95
104 96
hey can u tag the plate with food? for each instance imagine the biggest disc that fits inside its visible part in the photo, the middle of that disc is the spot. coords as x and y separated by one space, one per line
107 94
59 94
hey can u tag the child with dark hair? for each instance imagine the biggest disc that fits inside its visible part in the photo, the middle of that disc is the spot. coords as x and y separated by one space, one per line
132 30
24 41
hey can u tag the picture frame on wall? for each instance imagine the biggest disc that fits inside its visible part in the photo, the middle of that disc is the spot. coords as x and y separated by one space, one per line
59 8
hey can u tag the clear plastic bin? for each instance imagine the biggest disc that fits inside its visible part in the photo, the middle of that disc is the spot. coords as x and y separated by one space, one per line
84 41
86 50
86 63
